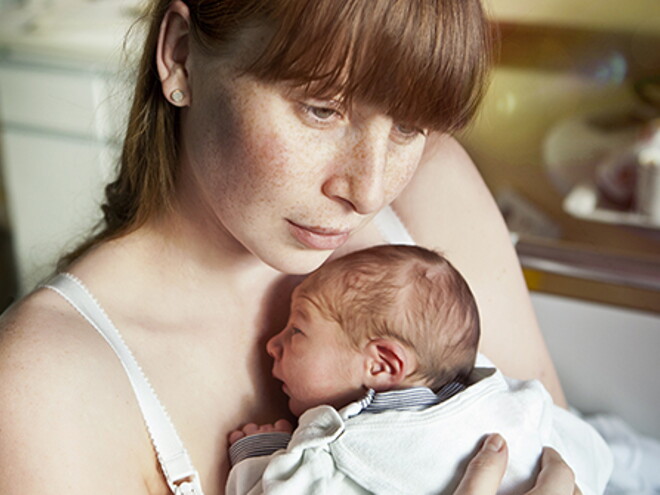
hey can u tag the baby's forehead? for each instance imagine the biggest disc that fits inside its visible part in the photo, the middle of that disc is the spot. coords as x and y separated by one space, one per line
303 306
310 310
310 289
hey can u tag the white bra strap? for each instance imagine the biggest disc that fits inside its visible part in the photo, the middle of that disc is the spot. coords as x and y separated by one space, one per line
179 472
392 228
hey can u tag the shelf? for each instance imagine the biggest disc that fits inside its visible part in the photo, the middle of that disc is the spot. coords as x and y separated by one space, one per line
642 16
583 202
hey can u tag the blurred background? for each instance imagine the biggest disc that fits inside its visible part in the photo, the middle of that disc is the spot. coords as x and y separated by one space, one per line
568 140
572 110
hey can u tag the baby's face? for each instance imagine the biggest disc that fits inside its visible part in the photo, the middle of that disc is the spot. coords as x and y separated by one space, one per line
315 361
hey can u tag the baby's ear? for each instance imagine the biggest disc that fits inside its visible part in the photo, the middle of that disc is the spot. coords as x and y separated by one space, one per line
388 364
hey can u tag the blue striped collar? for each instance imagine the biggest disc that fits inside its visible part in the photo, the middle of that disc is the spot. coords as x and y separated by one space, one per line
408 399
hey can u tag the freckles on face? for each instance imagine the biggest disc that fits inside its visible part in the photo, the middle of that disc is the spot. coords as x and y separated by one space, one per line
278 165
257 167
238 155
401 168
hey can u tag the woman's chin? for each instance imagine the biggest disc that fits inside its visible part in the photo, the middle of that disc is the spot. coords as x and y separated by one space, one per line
296 261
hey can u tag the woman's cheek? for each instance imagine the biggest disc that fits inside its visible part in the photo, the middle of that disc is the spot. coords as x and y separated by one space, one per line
269 158
400 171
271 146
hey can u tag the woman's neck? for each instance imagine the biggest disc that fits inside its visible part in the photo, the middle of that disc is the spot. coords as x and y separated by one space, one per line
172 256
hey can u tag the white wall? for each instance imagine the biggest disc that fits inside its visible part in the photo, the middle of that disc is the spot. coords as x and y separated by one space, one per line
8 3
607 358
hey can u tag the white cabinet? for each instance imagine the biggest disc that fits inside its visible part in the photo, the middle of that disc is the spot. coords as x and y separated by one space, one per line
58 150
606 357
48 99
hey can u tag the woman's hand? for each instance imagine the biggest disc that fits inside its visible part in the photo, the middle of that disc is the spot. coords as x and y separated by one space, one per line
486 469
555 476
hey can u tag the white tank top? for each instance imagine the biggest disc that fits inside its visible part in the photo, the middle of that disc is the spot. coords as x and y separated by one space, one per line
181 476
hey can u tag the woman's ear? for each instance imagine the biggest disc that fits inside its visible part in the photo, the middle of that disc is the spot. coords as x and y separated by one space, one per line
388 364
172 54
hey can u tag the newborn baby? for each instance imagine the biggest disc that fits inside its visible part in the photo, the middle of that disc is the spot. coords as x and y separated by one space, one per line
378 361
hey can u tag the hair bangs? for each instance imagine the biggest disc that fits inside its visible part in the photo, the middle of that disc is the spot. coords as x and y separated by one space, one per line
424 62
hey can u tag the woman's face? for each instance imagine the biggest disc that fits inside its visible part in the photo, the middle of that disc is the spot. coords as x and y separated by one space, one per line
290 177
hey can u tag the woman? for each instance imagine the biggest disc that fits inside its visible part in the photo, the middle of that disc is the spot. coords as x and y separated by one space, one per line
264 137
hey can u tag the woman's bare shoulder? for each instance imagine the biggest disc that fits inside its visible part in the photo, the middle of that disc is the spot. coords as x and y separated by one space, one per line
61 392
44 326
447 206
448 180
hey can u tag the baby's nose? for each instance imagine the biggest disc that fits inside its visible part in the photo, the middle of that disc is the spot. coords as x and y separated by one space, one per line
274 346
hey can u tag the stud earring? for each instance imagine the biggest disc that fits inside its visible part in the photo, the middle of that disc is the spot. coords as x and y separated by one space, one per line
177 96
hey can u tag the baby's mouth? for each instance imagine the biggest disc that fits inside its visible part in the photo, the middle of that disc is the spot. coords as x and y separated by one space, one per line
284 387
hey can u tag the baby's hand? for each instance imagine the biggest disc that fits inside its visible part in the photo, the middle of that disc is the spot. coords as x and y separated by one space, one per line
281 425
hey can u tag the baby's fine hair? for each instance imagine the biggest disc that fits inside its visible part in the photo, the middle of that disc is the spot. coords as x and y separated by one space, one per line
407 293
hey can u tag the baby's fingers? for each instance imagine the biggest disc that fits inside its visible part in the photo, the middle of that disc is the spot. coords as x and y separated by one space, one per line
283 425
485 470
251 429
235 435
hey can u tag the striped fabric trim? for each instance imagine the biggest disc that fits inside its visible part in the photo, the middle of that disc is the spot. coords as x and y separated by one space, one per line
449 390
258 445
409 399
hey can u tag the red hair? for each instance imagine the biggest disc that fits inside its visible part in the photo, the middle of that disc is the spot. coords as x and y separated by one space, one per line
424 62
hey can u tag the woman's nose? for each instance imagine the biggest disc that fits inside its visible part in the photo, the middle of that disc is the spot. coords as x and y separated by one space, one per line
359 180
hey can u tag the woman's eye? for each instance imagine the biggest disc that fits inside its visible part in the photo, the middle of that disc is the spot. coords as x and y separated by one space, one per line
408 131
296 331
322 113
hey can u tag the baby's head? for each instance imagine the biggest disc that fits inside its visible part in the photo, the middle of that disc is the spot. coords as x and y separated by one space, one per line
387 317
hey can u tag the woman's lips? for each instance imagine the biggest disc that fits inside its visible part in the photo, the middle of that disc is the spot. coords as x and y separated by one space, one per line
317 238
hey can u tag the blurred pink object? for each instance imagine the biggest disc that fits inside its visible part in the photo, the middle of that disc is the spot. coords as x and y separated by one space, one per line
616 178
617 174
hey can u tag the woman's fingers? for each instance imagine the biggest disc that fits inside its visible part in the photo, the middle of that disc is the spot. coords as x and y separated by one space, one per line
485 470
555 478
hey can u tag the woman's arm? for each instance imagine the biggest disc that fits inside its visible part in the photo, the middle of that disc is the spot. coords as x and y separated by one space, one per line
61 430
448 207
